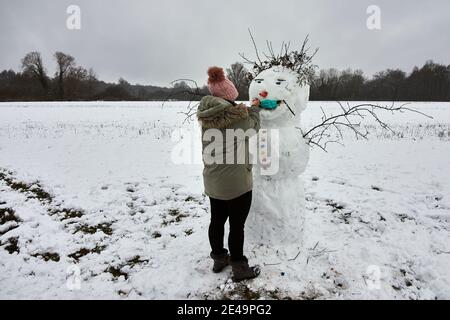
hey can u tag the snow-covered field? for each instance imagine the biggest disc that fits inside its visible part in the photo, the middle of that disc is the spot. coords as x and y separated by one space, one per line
92 206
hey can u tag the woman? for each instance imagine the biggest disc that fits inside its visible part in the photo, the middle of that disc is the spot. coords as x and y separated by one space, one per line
228 185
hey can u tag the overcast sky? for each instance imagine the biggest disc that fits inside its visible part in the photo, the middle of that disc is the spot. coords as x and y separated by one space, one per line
155 42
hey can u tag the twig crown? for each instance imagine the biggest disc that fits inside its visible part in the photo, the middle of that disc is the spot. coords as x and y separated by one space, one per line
299 61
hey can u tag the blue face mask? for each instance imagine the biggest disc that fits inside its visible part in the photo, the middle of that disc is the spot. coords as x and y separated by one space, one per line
273 104
269 104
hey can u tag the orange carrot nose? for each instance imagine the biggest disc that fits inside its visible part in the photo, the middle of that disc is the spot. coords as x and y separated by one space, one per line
264 94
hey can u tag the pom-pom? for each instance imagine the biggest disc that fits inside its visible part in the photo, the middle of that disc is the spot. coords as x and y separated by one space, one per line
215 74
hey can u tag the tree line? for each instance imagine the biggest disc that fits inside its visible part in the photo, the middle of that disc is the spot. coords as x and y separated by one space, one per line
431 82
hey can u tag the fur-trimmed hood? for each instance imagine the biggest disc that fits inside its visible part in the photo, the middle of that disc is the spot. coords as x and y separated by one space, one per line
214 112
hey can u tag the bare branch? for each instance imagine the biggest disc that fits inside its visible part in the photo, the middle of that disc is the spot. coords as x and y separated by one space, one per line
192 93
320 134
188 80
255 46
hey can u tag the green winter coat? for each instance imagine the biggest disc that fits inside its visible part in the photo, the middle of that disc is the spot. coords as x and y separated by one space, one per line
226 181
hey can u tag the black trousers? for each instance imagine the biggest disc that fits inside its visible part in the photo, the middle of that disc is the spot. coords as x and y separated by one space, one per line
237 211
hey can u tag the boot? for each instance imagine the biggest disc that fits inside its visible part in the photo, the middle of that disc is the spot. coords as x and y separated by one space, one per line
242 271
220 261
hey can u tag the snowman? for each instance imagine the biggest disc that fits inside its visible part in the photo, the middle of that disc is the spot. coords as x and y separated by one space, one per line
278 212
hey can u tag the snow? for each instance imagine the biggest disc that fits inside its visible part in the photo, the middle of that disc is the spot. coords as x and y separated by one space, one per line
91 187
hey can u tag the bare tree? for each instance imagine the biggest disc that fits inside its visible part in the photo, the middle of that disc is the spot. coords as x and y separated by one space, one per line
91 81
75 83
238 74
32 64
64 62
122 82
327 83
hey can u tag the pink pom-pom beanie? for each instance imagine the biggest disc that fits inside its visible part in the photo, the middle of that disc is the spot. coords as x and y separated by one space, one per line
220 86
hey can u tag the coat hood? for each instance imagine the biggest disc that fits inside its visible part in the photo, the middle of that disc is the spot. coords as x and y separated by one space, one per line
214 112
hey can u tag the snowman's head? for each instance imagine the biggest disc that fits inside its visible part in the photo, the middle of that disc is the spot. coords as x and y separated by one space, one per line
280 84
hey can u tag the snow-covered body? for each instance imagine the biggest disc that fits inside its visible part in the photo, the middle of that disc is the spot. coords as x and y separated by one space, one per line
278 207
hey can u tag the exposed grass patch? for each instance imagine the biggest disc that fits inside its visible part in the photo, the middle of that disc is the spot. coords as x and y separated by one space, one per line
33 190
190 198
66 213
116 271
156 235
5 231
345 217
174 212
136 260
36 191
123 293
174 216
84 252
180 217
311 293
8 215
336 206
242 291
104 227
403 217
11 245
47 256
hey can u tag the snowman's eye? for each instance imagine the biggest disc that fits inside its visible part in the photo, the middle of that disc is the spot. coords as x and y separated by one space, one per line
259 80
279 81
